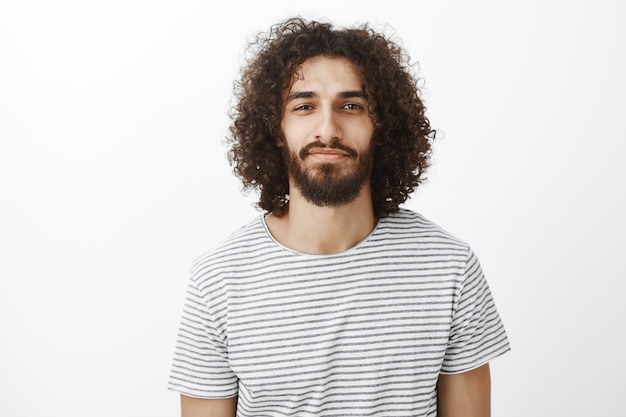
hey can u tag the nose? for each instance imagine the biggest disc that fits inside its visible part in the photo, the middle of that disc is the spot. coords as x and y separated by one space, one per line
327 130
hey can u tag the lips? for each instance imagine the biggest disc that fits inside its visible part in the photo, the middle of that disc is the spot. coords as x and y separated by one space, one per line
327 151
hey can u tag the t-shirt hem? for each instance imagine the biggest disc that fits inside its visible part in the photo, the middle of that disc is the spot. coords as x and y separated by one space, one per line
478 364
195 394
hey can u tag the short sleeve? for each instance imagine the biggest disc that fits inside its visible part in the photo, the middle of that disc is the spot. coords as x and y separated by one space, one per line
200 366
477 334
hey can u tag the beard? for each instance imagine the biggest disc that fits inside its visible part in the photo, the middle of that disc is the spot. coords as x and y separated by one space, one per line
329 184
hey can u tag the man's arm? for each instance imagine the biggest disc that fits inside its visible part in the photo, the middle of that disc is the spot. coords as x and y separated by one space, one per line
467 394
199 407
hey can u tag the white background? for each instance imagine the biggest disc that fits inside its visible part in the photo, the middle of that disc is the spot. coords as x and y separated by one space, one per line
113 177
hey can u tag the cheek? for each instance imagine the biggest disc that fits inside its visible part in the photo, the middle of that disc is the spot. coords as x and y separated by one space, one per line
294 134
365 134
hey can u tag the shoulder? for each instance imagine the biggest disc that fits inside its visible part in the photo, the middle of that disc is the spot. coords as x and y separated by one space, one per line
241 245
410 225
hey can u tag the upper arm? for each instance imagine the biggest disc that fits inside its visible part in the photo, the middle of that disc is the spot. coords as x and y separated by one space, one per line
466 394
200 407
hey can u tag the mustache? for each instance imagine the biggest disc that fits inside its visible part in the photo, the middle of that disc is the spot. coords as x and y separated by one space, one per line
335 145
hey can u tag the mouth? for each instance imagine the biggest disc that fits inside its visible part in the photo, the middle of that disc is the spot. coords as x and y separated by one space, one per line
327 155
327 152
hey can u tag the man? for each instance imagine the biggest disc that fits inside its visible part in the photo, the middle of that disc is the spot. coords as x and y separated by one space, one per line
335 301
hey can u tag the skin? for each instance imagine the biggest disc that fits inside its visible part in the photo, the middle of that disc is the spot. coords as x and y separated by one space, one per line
326 104
466 394
322 106
200 407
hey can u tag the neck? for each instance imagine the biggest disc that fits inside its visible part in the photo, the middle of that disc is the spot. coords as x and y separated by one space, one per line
308 228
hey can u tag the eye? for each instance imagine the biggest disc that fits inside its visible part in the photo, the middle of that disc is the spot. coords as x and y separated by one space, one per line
303 107
352 106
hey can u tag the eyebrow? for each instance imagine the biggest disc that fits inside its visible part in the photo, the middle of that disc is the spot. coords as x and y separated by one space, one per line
311 94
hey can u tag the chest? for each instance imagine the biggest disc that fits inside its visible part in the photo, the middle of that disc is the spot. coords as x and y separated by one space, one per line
310 328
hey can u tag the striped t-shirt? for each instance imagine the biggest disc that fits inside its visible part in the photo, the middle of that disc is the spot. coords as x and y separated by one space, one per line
364 332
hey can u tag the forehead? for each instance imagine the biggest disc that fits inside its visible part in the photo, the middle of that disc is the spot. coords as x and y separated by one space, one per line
326 72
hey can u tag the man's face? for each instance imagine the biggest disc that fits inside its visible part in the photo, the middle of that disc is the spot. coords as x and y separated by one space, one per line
327 132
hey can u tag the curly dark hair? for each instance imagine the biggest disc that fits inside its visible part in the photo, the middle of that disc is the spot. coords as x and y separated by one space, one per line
402 136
